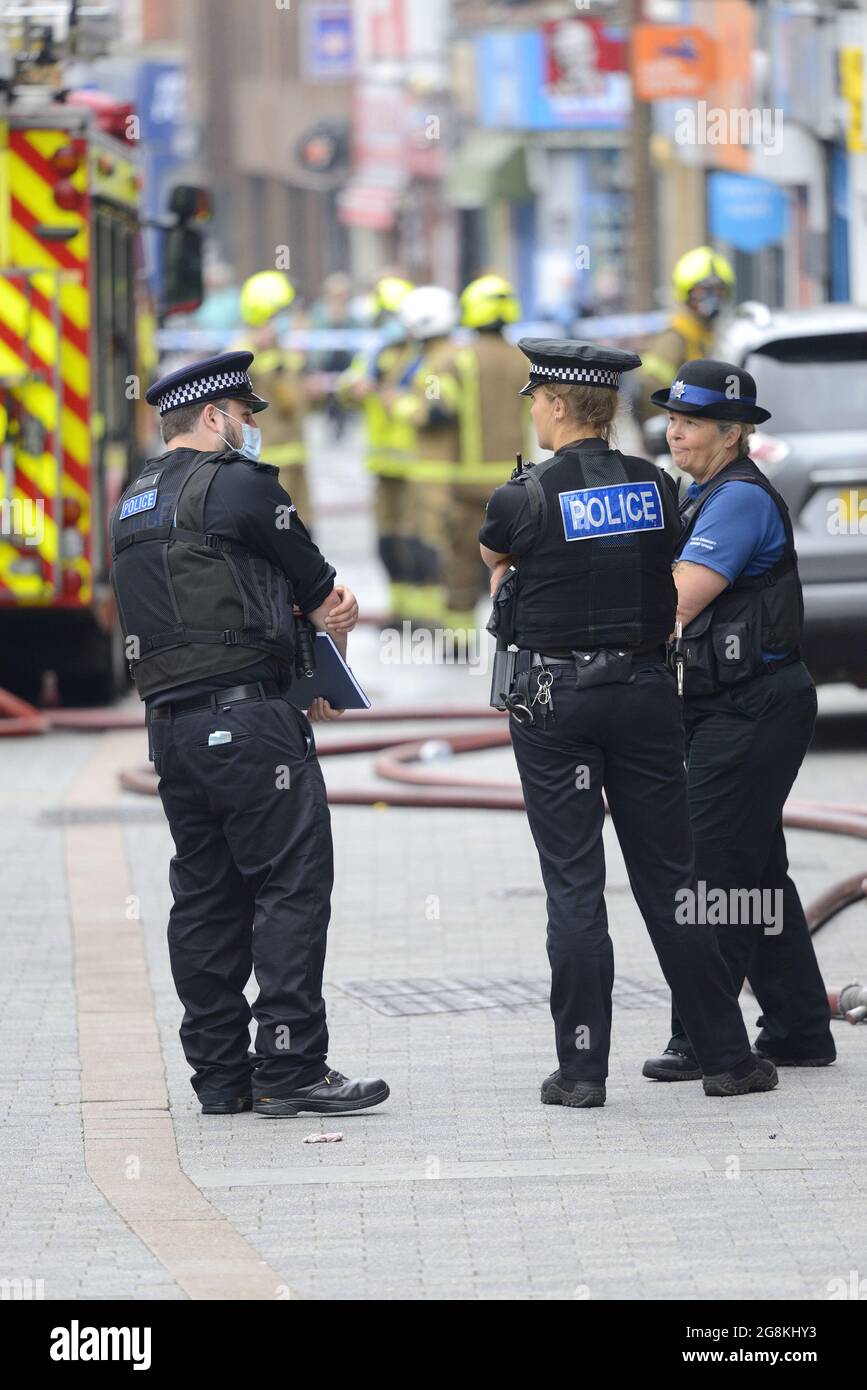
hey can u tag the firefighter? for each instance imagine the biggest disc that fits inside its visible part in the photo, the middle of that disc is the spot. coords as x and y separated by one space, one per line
372 382
493 422
428 403
276 375
703 281
208 560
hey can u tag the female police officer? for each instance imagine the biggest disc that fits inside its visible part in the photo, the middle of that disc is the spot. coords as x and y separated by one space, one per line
592 534
750 707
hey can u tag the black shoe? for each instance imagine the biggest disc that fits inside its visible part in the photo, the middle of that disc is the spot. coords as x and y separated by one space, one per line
333 1095
790 1059
578 1095
233 1106
754 1074
672 1065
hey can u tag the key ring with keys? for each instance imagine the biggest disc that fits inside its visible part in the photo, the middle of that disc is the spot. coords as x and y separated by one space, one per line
543 690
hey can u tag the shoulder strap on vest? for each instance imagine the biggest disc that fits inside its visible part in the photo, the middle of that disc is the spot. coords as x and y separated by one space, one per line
744 470
195 534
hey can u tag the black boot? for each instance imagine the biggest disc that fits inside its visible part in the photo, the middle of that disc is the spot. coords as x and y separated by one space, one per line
578 1095
333 1095
780 1058
753 1074
672 1065
234 1105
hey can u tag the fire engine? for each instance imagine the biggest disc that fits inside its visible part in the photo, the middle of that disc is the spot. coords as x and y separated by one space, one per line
70 380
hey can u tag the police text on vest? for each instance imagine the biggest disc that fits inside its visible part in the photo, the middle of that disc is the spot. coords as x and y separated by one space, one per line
616 509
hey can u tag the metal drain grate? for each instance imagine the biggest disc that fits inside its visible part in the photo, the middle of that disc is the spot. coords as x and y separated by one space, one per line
396 998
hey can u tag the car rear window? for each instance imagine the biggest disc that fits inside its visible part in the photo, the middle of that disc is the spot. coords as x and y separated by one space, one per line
813 383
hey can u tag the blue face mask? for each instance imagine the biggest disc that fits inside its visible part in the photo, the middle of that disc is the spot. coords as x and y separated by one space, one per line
251 446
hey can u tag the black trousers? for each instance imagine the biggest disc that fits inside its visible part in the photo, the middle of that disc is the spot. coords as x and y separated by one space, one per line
251 880
745 747
627 739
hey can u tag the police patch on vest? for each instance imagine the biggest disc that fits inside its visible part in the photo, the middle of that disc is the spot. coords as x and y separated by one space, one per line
611 510
142 502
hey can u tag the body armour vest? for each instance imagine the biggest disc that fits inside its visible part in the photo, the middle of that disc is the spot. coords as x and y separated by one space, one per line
760 614
191 605
599 574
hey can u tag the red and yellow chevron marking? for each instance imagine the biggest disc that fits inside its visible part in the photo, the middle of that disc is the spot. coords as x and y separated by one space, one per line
44 362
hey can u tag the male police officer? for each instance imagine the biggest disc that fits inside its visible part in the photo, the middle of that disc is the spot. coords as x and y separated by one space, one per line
592 534
209 557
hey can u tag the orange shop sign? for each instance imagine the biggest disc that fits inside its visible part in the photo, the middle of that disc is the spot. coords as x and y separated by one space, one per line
671 60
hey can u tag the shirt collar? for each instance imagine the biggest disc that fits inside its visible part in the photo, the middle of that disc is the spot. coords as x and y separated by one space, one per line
595 444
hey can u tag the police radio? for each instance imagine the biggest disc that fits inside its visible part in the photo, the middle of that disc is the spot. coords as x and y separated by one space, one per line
305 658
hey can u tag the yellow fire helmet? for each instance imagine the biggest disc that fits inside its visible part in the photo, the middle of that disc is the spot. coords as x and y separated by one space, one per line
489 300
702 263
390 292
264 295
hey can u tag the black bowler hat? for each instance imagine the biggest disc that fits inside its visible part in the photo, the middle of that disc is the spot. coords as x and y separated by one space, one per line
572 363
213 379
713 390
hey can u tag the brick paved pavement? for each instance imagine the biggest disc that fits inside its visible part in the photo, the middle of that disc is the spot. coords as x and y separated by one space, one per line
462 1185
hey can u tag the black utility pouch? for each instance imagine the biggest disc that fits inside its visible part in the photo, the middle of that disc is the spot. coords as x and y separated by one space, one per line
603 666
503 674
734 650
502 620
700 672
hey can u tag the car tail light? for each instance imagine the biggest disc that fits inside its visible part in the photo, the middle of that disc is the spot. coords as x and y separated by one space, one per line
765 449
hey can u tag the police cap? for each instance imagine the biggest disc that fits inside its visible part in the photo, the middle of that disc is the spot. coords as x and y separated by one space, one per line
213 379
714 390
570 363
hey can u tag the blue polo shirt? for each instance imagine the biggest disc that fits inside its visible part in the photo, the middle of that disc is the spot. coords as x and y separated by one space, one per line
739 532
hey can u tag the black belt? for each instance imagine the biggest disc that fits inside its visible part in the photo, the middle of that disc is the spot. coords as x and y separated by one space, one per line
564 658
232 695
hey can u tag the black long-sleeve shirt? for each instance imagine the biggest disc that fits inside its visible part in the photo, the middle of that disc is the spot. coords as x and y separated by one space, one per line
245 503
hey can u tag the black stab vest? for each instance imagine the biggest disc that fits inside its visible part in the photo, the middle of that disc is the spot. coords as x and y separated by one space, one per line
762 613
612 590
191 604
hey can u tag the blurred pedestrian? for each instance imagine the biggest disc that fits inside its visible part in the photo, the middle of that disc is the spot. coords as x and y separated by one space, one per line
332 312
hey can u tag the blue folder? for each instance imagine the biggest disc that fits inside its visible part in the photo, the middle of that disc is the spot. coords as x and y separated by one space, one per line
332 680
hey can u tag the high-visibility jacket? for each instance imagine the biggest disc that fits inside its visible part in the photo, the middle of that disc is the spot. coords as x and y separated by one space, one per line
686 337
465 405
276 376
389 440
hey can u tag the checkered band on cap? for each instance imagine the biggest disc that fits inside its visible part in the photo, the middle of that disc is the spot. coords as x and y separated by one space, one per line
190 391
592 376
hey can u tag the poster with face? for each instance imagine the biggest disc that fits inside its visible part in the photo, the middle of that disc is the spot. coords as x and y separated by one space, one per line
578 55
